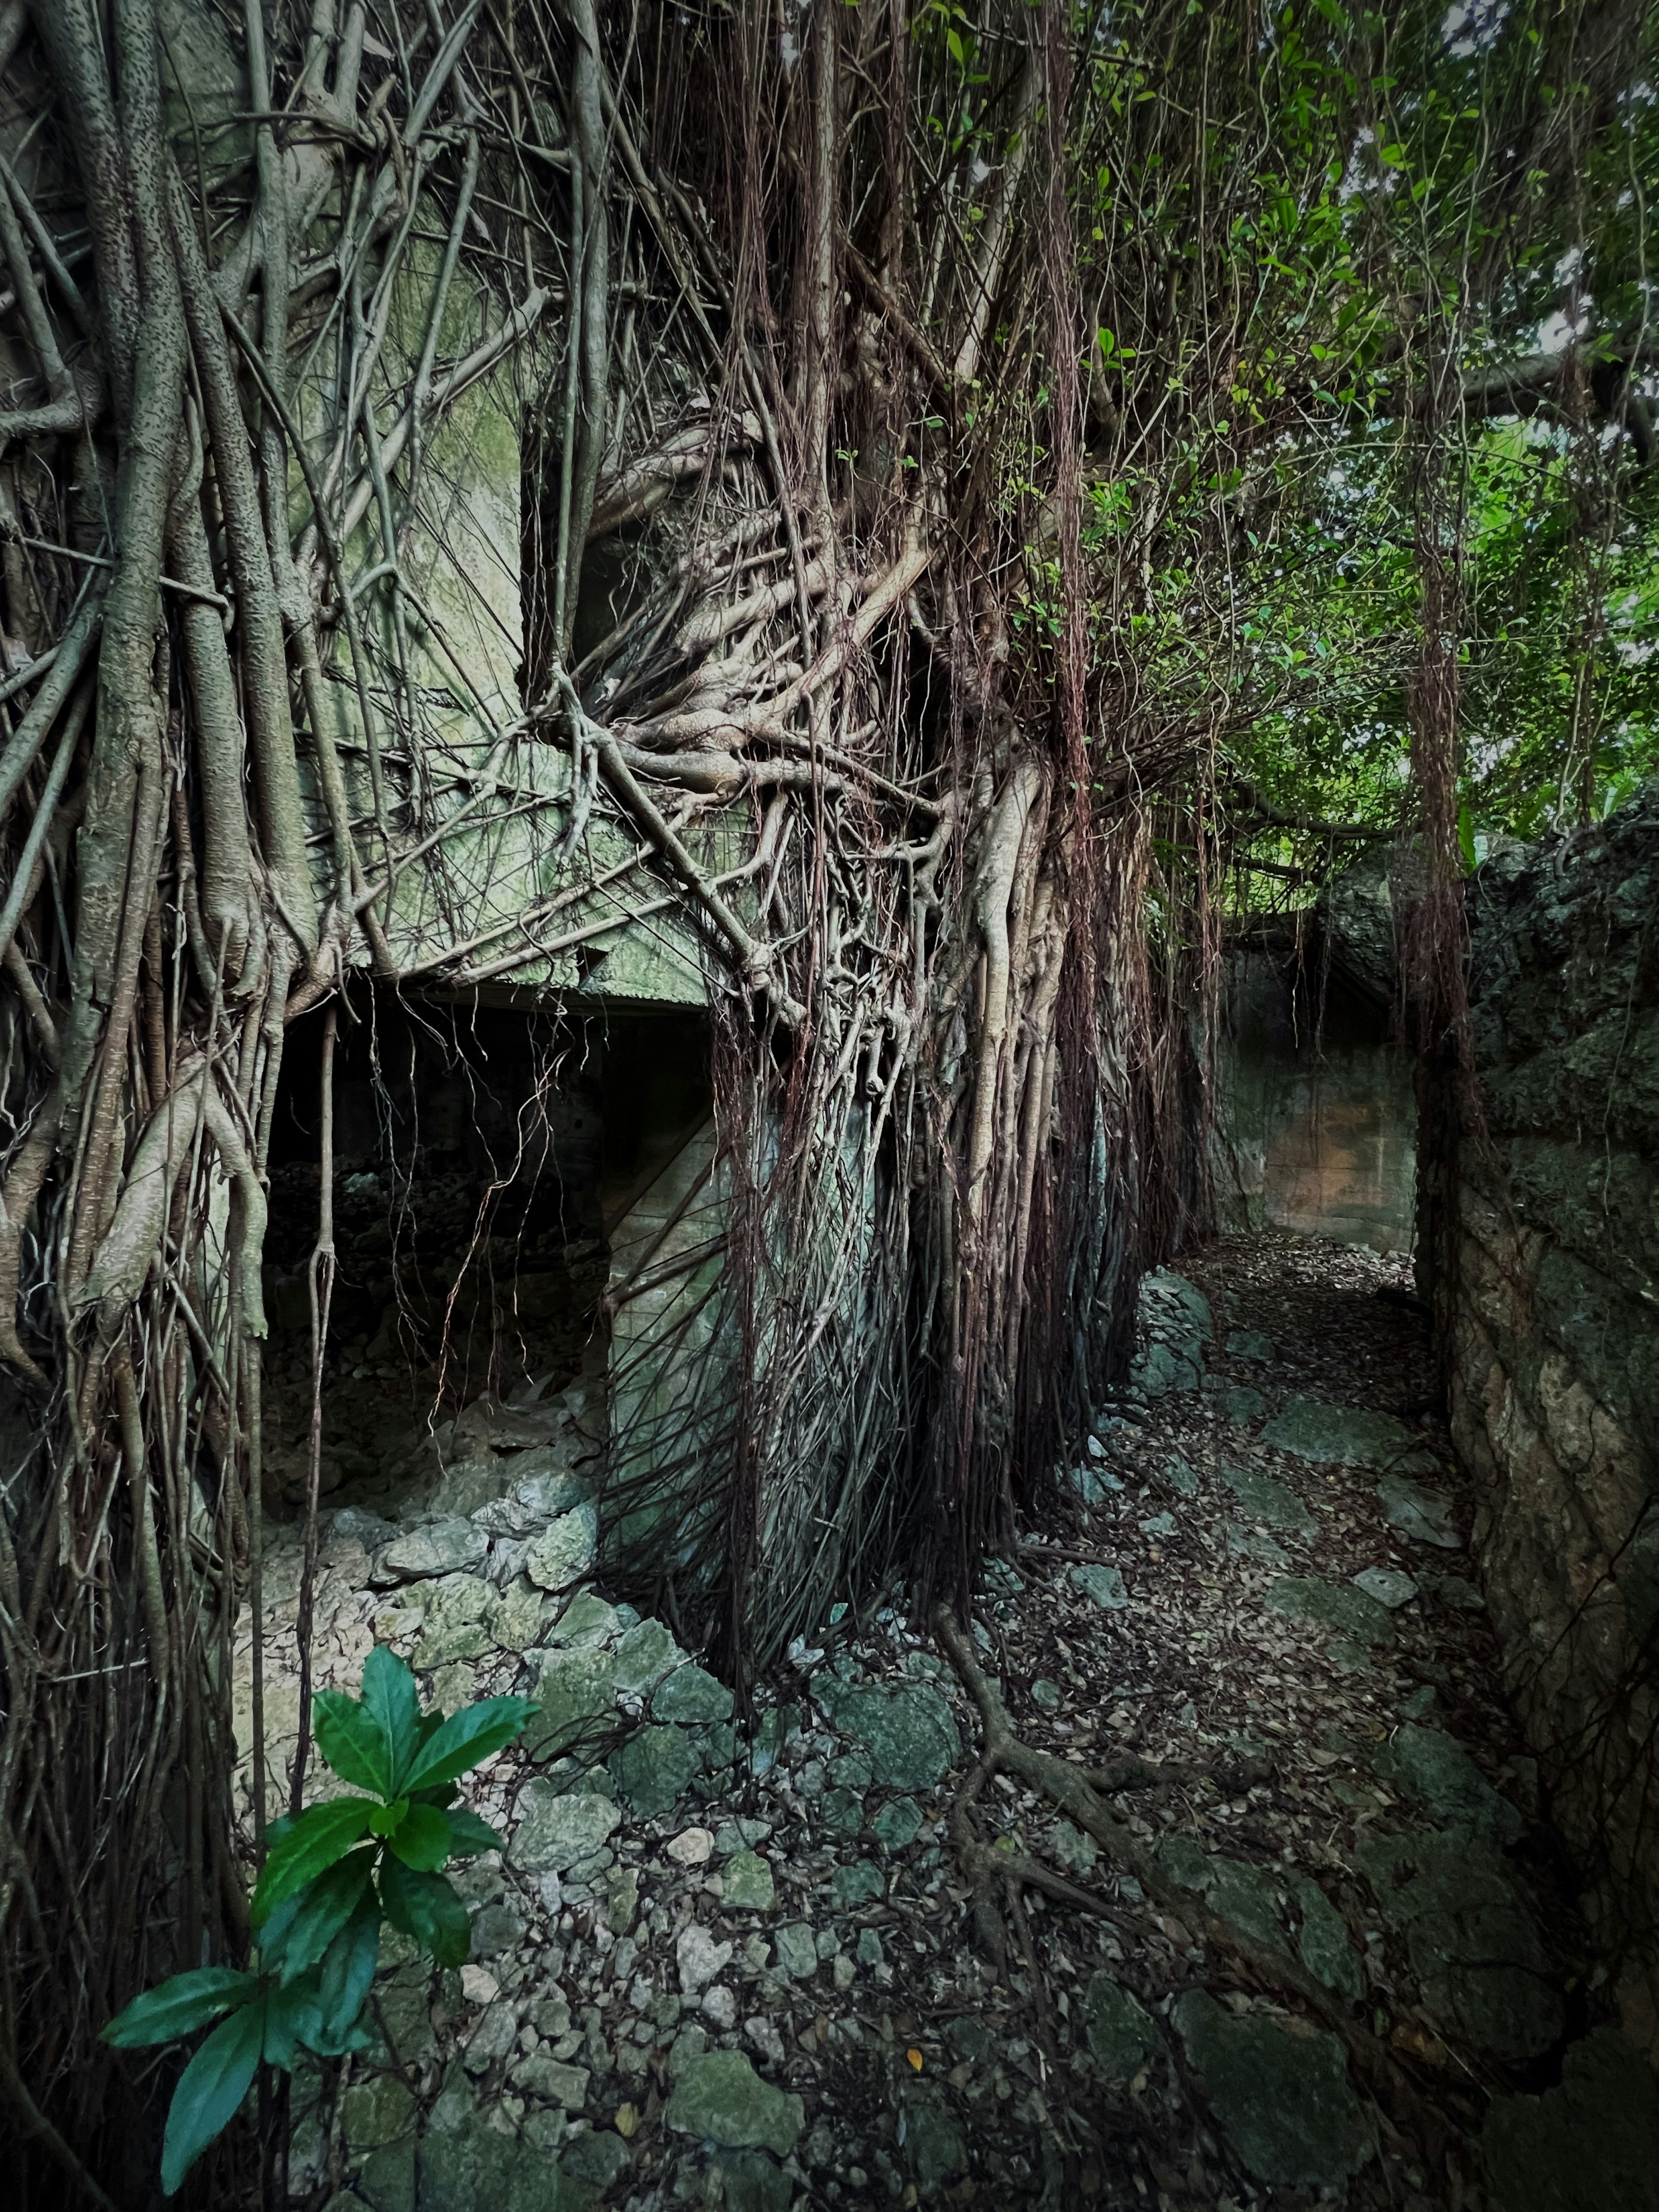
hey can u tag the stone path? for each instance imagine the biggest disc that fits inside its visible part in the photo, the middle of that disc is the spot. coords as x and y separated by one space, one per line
719 1974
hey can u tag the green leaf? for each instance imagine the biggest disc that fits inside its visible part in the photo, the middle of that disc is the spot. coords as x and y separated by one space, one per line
468 1736
389 1694
293 2016
353 1741
210 2090
316 1916
423 1837
469 1835
322 1834
180 2006
425 1906
346 1975
386 1819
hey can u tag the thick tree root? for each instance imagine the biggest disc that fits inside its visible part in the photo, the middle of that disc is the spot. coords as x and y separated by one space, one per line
1077 1791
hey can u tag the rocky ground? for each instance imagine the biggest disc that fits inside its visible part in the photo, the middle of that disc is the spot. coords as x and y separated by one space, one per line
1325 1952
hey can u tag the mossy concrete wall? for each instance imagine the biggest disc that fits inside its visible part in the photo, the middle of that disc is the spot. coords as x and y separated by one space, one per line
1314 1118
1555 1357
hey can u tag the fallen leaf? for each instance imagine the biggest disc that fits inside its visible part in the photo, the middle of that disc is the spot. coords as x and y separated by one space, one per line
627 2120
915 2057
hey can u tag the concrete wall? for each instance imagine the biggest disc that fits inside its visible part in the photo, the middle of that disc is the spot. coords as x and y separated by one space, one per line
1556 1339
1315 1119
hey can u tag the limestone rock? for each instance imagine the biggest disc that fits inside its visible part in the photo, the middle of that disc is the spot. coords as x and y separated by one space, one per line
564 1551
897 1824
857 1884
443 1547
585 1619
377 2112
1119 2034
699 1958
576 1696
457 1620
933 2144
1249 1544
556 1831
1347 1436
749 2181
1387 1585
798 1951
543 2075
1470 1936
911 1733
1306 1597
749 1885
1275 1502
1323 1941
1104 1584
721 2099
1429 1765
1250 1344
690 1694
645 1654
1423 1514
1283 2100
653 1769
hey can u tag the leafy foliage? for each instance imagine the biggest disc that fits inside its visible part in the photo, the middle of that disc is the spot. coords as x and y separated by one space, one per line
321 1899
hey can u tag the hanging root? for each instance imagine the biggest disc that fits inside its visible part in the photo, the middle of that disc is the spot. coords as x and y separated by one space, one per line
1077 1793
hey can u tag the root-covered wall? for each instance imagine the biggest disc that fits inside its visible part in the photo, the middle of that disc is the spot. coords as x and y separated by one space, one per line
1555 1356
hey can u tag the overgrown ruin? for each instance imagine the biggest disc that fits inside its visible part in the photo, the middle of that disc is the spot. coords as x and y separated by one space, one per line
829 924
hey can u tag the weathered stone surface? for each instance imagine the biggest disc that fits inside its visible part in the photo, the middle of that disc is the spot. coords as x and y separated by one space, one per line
749 2181
1429 1765
645 1654
564 1551
477 2169
690 1694
653 1769
1253 1544
442 1547
1251 1344
699 1958
798 1951
543 2075
1585 2146
577 1700
748 1883
1322 1940
1387 1585
911 1733
585 1619
720 2097
554 1832
933 2144
1423 1514
1307 1597
377 2112
1119 2034
1345 1435
456 1623
1284 2100
857 1883
1265 1499
1173 1323
1104 1584
1470 1935
897 1824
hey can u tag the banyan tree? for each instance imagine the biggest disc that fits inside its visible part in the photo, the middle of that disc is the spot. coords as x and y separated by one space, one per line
479 478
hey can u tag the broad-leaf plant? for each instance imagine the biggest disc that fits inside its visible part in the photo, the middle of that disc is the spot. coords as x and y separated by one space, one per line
333 1873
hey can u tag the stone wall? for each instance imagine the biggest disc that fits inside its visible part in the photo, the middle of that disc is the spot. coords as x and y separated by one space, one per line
1316 1124
1555 1352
